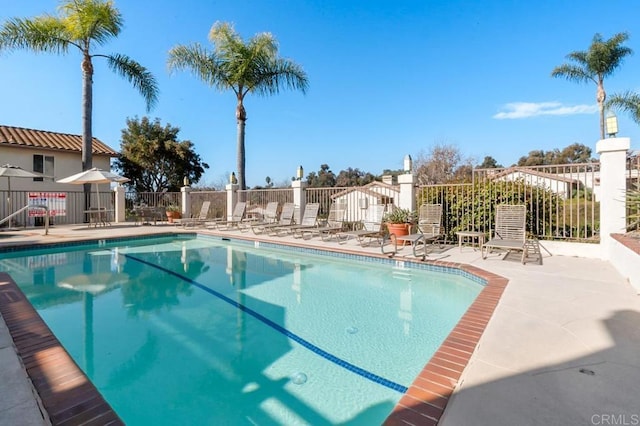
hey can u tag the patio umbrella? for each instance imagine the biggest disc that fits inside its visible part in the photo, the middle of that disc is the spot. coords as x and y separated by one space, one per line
10 171
94 175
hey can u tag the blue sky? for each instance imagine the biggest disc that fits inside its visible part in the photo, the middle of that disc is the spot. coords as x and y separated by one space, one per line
386 78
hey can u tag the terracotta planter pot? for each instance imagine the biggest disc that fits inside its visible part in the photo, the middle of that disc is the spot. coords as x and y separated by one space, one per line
173 215
398 229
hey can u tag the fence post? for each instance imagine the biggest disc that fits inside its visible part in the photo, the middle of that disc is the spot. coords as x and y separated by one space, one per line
613 185
186 201
299 197
120 213
407 191
232 198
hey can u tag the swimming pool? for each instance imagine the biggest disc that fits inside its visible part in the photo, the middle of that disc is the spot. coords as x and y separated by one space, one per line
205 330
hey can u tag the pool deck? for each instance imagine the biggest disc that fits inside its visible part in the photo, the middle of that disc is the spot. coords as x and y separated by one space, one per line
560 348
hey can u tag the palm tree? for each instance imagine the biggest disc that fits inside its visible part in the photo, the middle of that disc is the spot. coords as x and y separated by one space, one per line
628 102
243 67
80 24
600 61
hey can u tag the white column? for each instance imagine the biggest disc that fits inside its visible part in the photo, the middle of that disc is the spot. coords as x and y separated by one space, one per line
613 184
186 201
232 198
407 191
299 198
120 213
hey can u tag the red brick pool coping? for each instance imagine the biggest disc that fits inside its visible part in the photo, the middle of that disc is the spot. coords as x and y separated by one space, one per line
427 397
65 392
70 398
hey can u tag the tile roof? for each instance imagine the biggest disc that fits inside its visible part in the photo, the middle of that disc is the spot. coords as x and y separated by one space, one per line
20 137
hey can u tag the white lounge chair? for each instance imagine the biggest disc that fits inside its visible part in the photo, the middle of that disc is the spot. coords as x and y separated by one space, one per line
268 216
371 227
309 221
286 218
428 232
200 219
334 224
509 232
236 218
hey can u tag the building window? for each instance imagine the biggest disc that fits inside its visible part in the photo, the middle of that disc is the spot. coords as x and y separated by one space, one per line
43 164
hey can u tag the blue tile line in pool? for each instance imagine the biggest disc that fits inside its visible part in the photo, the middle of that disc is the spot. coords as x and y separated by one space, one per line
340 362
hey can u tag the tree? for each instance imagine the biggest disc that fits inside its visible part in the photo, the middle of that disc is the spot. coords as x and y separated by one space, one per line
325 178
81 24
489 163
439 165
574 153
354 177
242 67
600 61
628 102
154 159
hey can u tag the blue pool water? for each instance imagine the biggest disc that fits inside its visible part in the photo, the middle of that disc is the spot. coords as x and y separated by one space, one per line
197 330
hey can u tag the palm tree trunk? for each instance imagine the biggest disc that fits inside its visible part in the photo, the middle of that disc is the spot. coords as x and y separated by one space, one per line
241 116
600 97
87 110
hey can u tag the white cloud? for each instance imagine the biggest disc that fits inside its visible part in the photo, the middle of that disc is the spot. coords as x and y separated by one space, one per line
516 110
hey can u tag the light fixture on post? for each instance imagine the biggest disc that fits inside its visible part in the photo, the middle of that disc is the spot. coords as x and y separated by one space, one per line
232 178
299 173
185 181
611 124
408 164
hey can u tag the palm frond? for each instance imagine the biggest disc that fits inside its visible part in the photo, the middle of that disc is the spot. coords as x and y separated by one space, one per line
572 73
628 102
280 73
201 62
42 34
139 76
91 20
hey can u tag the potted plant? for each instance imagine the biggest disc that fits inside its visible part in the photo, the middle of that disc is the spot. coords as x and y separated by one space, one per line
173 212
399 221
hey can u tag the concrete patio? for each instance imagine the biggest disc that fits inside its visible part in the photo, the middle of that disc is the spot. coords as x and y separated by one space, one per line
561 347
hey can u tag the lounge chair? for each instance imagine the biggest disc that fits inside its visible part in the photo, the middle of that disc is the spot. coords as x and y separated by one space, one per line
428 232
286 218
309 221
509 232
268 216
236 218
334 224
371 227
200 219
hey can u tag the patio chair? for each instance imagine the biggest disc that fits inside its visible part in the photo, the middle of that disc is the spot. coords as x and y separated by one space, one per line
268 216
428 232
309 221
286 218
236 218
371 227
333 225
509 232
200 219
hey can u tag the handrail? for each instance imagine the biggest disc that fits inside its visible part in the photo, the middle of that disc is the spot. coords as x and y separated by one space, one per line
14 214
46 216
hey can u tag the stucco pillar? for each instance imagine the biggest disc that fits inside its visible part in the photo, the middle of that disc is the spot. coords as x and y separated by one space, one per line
299 198
613 185
120 212
186 201
407 184
232 198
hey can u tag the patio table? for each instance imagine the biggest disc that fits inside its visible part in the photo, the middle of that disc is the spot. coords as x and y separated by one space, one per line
99 217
